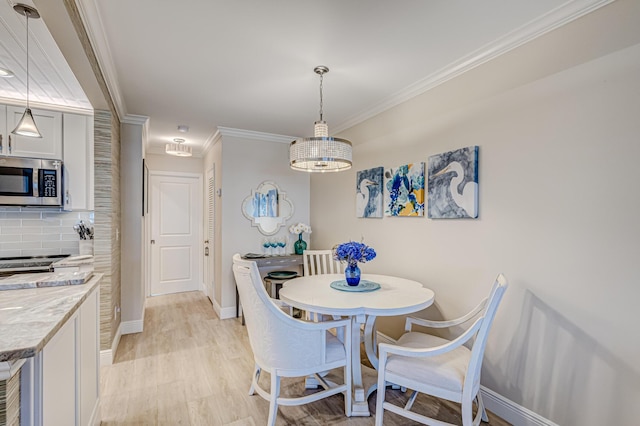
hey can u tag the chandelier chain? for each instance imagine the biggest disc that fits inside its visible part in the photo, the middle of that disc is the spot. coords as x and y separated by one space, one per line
26 14
321 79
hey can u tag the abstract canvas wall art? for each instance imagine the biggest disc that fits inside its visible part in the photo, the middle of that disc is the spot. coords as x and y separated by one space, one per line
453 184
369 192
265 204
404 190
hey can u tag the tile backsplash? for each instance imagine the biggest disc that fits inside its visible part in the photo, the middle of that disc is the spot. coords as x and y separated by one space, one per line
36 232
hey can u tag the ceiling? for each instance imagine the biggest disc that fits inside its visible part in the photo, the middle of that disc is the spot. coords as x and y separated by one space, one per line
247 66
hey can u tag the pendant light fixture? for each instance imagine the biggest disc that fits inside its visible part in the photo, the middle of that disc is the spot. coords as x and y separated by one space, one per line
27 126
178 148
320 153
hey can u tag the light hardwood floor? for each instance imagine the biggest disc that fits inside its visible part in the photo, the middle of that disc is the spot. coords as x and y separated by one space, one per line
190 368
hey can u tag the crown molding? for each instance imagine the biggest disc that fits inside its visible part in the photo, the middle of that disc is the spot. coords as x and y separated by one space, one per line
211 141
92 22
556 18
250 134
140 120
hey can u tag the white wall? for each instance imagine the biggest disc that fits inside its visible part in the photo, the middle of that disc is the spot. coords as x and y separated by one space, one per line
245 164
558 200
169 163
132 135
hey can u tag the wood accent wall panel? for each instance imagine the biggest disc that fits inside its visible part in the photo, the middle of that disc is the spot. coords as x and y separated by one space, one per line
107 220
10 401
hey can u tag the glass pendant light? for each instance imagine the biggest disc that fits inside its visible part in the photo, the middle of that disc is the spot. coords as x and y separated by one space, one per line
179 149
27 126
320 153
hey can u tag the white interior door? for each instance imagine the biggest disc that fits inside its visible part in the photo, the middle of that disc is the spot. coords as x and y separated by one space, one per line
209 238
175 233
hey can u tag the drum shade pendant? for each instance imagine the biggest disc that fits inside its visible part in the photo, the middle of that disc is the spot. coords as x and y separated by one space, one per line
320 153
27 126
178 148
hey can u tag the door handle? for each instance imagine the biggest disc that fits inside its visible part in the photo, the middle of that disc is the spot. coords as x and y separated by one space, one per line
153 241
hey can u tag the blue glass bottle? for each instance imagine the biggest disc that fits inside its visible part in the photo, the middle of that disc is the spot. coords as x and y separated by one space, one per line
300 246
352 274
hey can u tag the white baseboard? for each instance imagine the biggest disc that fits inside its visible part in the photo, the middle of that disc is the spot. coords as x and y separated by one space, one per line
216 307
107 355
226 313
510 411
499 405
130 327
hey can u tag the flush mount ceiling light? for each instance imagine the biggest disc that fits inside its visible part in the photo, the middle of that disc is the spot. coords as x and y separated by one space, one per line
178 148
321 153
27 126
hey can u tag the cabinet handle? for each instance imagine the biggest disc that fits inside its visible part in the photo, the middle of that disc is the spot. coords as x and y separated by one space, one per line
0 144
9 144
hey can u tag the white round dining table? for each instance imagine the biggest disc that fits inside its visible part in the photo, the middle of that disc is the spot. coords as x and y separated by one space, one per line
396 296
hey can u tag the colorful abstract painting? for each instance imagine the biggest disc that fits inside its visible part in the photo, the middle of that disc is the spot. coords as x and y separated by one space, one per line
453 184
369 192
404 190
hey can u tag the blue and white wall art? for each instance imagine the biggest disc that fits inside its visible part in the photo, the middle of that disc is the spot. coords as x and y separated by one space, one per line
453 184
265 204
404 195
369 192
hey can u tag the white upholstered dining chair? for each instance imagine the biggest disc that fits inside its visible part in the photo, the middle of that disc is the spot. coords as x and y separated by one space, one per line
443 368
288 347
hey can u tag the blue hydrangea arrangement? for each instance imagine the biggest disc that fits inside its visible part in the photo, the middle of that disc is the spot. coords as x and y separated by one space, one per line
353 252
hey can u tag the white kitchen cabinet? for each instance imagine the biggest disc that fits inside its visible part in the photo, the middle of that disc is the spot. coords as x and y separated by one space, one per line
59 376
78 162
88 371
49 124
61 384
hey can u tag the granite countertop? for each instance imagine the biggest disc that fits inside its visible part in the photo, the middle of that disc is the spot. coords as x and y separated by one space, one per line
86 259
44 279
30 317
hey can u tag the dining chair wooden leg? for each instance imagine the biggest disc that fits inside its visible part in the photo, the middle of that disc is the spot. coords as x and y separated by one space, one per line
348 375
254 381
273 402
485 418
381 391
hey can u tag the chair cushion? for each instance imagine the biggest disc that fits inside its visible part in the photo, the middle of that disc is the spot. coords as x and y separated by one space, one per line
335 349
444 371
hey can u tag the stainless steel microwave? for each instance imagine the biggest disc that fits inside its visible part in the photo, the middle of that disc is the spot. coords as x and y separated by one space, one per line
30 182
